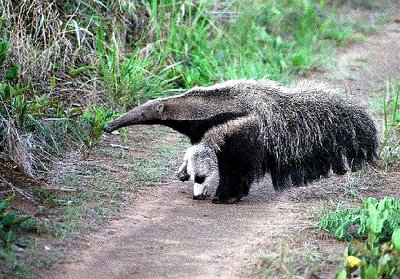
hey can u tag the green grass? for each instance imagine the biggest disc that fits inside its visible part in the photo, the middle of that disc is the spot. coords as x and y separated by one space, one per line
390 142
191 46
385 106
277 39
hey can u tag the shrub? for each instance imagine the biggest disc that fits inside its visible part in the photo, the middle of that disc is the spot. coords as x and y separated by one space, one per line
381 216
374 234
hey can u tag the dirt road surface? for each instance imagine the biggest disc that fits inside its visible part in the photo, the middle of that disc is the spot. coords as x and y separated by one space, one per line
166 234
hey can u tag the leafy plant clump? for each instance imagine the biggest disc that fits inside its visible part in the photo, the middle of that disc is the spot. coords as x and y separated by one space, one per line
8 220
374 234
32 125
94 120
373 259
377 215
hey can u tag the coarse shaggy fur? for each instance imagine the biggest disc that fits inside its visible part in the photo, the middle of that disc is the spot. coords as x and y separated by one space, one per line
296 134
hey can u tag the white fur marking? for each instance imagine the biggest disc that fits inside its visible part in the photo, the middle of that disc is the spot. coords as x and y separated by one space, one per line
199 189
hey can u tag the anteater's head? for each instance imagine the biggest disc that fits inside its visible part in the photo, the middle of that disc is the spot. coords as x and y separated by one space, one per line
200 167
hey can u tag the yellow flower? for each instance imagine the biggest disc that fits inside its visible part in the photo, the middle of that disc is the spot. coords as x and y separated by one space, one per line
353 262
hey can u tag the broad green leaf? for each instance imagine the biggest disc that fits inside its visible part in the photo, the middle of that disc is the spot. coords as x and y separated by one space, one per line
396 239
370 272
342 274
376 219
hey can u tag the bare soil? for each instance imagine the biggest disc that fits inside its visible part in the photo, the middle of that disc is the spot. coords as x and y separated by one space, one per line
166 234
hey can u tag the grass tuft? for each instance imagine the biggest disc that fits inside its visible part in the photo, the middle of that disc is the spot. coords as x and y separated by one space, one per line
390 140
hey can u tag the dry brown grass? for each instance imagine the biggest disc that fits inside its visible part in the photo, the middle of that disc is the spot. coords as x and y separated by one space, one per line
15 146
46 43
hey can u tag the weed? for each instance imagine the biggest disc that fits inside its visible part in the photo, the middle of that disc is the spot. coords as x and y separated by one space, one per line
377 224
289 264
348 223
390 142
8 222
96 119
373 258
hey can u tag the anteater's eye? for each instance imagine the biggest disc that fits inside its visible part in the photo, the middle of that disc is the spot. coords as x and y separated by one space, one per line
199 179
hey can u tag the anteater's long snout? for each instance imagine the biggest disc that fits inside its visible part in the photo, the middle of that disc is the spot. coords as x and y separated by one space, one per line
108 128
138 115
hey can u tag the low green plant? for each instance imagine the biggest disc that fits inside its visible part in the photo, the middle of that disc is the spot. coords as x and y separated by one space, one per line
95 120
374 248
86 126
8 220
287 261
13 102
380 217
390 143
373 259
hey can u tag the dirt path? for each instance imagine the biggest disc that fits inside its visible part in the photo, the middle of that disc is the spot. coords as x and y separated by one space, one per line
166 234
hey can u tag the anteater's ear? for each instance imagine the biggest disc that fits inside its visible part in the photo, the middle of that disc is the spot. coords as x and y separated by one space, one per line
160 109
